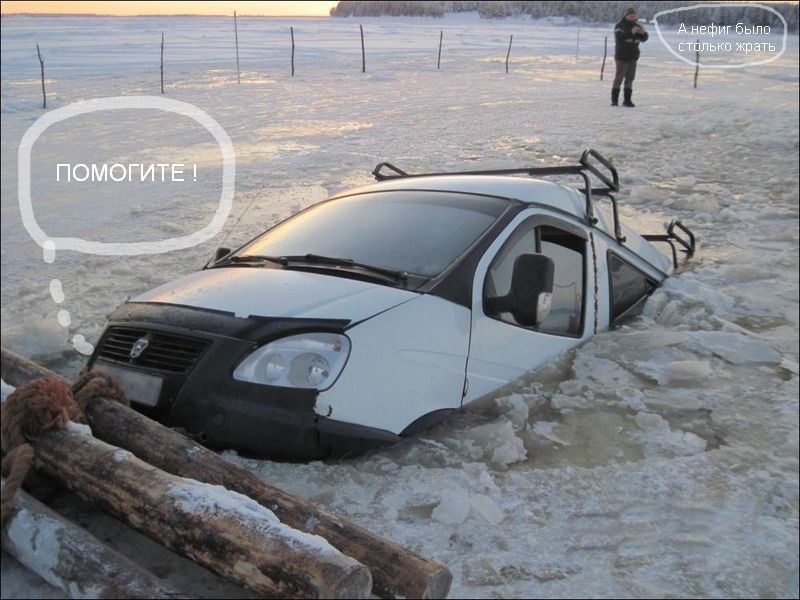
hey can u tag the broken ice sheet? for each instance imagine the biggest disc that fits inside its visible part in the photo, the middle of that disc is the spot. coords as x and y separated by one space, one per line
736 348
678 371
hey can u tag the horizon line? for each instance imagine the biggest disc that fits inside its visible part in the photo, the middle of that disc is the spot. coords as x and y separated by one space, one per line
57 14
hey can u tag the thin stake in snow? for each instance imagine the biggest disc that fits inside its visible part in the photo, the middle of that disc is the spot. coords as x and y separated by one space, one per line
508 54
363 53
439 60
41 64
291 31
578 44
236 37
696 66
605 53
162 62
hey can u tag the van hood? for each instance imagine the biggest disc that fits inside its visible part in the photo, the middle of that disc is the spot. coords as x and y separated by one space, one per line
265 292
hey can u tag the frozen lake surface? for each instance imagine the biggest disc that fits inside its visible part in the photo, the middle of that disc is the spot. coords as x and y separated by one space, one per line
657 460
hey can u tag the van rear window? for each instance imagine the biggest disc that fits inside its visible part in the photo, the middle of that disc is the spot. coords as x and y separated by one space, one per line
629 288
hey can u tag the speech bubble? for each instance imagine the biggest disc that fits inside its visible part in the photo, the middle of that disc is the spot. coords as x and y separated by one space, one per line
736 5
125 248
50 245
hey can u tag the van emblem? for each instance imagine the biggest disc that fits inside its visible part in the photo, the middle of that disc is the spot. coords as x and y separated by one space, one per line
139 347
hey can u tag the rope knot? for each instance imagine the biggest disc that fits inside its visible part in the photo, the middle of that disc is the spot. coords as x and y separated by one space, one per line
93 384
35 408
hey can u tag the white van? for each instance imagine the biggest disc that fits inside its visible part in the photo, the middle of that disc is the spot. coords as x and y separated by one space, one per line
378 312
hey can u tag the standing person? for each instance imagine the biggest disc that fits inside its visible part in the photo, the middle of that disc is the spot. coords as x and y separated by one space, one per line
627 33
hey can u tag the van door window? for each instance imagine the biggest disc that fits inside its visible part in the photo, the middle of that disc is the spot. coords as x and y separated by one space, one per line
629 289
567 252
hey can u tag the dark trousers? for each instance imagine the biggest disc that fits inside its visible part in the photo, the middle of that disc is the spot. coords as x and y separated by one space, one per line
626 70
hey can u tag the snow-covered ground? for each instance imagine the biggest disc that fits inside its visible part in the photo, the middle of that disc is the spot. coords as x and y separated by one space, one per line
659 460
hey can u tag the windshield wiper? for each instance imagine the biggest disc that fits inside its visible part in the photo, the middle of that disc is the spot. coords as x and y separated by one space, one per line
252 258
314 259
346 262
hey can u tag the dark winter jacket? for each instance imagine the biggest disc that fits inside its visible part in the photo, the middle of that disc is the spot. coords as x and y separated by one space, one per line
627 47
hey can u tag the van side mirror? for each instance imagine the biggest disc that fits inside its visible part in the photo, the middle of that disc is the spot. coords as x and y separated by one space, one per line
221 253
531 291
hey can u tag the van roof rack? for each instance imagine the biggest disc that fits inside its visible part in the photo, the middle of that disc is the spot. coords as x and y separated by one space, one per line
585 167
609 186
686 240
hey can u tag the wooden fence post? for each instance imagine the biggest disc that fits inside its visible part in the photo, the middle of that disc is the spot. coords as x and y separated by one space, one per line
508 54
162 62
236 37
605 53
439 59
41 64
363 53
291 30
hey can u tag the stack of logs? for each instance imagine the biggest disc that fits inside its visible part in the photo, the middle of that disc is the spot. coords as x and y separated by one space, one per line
202 506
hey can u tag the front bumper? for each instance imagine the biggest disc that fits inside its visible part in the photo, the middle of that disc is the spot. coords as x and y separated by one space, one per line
221 412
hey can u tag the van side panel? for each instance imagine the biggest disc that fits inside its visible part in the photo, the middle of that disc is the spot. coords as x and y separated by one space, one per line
404 363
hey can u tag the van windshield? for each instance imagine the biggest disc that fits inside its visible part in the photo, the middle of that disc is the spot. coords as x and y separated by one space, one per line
417 232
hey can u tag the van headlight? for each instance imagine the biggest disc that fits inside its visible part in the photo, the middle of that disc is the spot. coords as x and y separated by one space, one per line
308 360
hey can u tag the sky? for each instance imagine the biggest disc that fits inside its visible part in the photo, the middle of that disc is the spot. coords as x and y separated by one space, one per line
304 8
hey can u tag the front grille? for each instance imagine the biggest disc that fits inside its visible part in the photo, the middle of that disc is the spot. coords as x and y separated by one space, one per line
165 351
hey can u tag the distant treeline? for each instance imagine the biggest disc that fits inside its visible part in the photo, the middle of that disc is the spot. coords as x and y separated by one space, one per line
590 12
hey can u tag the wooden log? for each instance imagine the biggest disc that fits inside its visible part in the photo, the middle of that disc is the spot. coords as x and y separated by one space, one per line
397 572
224 531
71 559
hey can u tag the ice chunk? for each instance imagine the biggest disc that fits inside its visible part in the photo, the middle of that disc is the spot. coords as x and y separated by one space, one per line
687 370
495 442
676 371
653 338
513 450
514 408
736 348
480 572
649 420
486 508
632 398
571 387
659 440
546 429
715 302
453 507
